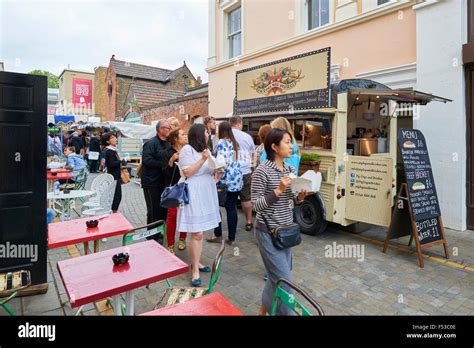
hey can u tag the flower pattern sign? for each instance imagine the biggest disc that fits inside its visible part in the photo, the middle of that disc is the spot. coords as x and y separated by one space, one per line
296 83
277 81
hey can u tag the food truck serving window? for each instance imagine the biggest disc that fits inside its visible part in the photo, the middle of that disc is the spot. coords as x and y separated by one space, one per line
315 133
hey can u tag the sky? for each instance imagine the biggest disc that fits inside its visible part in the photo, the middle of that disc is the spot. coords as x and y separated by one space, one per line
53 35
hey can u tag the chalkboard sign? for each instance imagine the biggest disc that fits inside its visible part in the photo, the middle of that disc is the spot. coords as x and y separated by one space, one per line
418 174
417 209
428 230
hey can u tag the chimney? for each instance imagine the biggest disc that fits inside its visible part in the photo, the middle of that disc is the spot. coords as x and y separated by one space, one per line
199 80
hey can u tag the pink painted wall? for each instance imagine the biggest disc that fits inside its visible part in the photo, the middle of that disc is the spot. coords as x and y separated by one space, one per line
267 22
382 42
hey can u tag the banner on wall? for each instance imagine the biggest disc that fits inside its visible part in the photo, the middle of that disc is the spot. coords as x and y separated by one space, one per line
82 93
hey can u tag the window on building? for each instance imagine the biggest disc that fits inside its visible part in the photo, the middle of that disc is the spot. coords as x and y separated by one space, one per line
381 2
234 30
318 13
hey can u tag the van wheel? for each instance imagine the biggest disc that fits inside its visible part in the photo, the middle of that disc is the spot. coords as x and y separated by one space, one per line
309 215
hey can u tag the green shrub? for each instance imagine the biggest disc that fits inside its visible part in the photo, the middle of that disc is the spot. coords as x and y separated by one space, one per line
309 157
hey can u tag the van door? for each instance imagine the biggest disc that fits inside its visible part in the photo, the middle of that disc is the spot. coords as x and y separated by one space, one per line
369 189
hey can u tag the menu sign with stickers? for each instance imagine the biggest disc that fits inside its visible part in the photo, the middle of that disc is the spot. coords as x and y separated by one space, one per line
417 211
418 173
420 184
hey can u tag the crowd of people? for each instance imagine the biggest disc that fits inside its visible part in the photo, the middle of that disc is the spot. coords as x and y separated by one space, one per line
94 151
258 176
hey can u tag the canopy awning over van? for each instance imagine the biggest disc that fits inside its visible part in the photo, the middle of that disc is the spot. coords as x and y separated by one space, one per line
400 95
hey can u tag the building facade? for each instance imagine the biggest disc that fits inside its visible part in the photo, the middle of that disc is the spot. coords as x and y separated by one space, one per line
192 105
130 85
100 91
396 43
53 103
76 94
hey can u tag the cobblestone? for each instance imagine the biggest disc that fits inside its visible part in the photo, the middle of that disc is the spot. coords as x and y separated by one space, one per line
341 286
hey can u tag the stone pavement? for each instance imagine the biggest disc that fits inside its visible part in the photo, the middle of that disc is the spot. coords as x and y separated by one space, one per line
373 283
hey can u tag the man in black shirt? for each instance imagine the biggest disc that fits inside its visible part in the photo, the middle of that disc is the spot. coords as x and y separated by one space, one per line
154 162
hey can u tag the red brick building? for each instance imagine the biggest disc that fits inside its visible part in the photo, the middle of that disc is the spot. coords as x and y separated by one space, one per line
137 86
186 109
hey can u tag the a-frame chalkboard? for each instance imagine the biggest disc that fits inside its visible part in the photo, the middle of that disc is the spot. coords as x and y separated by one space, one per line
420 216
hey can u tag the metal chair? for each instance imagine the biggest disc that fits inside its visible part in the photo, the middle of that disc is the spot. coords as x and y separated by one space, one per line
99 185
105 202
289 299
10 284
132 236
180 295
156 227
79 183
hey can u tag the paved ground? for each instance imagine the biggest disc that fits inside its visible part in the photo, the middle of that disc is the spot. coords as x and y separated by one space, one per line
389 284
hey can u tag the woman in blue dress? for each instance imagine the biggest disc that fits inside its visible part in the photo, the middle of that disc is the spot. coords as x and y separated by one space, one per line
232 179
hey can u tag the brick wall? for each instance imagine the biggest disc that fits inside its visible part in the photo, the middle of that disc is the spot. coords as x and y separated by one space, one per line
110 107
192 105
116 101
100 92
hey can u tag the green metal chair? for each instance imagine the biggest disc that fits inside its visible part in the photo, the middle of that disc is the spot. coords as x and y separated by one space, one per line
289 299
10 284
180 295
79 183
151 229
132 236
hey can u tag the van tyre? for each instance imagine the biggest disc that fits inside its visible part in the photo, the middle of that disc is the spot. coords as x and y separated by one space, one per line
310 216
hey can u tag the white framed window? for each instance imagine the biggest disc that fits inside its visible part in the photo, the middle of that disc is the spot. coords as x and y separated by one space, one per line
318 13
381 2
234 32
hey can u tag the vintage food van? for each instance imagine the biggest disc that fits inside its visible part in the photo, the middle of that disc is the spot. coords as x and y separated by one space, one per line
353 133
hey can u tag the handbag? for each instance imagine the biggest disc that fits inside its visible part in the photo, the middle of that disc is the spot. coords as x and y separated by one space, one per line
93 155
222 194
176 195
124 174
284 236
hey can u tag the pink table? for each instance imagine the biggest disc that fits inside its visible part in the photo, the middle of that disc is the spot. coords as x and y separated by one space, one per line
212 304
94 277
59 176
75 231
58 170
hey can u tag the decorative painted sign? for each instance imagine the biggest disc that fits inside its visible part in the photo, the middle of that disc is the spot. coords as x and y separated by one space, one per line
296 83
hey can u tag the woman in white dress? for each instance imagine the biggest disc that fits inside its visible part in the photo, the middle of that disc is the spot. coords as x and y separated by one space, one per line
202 212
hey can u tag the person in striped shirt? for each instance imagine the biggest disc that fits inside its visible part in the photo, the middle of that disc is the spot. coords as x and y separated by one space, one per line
273 201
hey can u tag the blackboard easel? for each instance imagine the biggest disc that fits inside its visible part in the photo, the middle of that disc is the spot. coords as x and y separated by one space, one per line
403 224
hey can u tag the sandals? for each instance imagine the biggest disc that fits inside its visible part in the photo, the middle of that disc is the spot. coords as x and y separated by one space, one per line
248 227
171 249
214 240
204 269
181 244
196 282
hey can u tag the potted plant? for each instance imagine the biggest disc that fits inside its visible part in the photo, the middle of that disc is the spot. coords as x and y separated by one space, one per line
309 161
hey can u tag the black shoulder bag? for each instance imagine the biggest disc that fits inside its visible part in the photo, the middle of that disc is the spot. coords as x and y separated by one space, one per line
284 236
